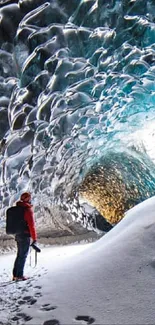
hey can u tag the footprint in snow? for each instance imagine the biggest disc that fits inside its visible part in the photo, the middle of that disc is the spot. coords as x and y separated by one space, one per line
87 319
38 294
22 316
47 307
30 300
37 287
51 322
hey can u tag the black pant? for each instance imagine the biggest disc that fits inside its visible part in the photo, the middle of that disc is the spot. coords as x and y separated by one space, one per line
23 244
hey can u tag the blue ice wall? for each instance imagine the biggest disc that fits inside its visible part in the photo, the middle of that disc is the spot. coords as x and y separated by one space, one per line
77 84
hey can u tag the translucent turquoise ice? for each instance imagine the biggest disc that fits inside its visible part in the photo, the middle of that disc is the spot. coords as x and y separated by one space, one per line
77 83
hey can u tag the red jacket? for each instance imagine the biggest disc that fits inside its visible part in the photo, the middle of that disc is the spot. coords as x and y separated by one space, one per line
29 218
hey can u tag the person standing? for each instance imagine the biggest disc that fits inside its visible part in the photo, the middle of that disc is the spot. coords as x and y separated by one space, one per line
23 239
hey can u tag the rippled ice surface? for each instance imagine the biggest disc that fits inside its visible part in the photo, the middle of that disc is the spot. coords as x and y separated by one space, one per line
77 87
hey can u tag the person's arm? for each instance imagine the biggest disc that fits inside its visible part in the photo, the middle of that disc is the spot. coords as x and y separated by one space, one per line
28 216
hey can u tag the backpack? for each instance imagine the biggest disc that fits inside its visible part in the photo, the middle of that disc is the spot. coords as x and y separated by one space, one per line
15 223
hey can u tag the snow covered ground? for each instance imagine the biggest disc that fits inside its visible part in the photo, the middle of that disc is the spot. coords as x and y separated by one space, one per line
111 281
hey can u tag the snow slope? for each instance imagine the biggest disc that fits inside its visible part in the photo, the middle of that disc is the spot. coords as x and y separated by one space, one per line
110 281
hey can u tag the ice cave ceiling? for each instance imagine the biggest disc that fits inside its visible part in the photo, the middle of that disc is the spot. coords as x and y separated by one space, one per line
77 102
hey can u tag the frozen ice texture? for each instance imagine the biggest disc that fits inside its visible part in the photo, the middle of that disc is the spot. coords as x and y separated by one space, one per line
77 87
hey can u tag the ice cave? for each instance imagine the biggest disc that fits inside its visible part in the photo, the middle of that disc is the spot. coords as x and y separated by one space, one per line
77 109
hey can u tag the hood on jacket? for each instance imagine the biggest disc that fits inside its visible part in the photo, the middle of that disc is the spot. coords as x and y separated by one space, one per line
24 204
26 197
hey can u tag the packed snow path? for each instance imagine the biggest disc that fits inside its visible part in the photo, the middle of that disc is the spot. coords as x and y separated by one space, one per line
110 281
